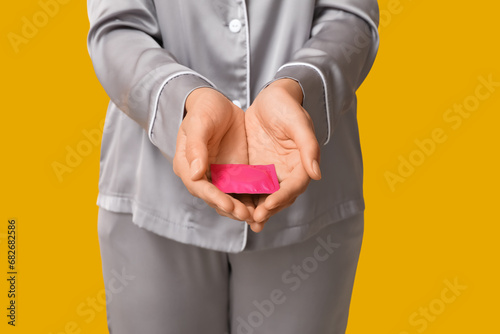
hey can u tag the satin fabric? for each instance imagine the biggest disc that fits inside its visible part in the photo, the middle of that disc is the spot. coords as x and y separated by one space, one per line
157 285
150 54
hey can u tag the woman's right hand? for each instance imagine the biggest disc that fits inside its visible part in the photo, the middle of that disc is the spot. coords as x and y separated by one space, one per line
212 132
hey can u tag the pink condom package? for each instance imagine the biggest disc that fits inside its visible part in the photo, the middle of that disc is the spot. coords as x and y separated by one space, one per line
244 179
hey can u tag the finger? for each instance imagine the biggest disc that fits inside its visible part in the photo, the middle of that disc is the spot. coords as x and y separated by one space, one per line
198 134
212 195
224 213
220 211
240 212
248 201
232 207
290 189
257 227
305 139
258 201
261 213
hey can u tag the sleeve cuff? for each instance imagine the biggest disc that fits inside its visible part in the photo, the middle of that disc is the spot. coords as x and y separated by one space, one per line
168 112
315 99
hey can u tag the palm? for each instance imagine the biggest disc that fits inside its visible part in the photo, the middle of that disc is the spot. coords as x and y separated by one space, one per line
268 144
223 128
229 143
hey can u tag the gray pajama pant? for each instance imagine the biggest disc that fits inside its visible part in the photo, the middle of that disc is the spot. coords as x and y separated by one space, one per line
155 285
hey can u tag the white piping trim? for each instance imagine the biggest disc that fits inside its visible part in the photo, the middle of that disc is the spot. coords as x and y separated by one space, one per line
325 90
245 237
157 100
247 28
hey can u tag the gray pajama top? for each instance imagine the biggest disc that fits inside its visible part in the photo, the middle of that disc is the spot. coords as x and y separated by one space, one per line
150 54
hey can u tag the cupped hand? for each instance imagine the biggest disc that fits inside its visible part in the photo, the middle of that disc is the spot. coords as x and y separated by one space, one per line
212 132
280 132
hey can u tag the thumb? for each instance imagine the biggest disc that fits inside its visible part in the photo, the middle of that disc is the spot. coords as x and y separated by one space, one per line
304 137
197 150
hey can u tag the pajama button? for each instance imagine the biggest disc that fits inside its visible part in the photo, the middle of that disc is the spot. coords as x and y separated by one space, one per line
235 26
237 103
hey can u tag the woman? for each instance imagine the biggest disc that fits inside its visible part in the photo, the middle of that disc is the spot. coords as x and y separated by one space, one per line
193 83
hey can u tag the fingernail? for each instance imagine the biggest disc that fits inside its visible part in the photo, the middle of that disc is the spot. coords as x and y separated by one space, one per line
315 167
195 167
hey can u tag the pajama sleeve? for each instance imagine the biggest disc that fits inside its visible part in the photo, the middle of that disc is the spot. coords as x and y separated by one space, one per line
141 78
335 60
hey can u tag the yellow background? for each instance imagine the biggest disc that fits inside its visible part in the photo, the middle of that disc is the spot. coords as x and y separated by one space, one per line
440 224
